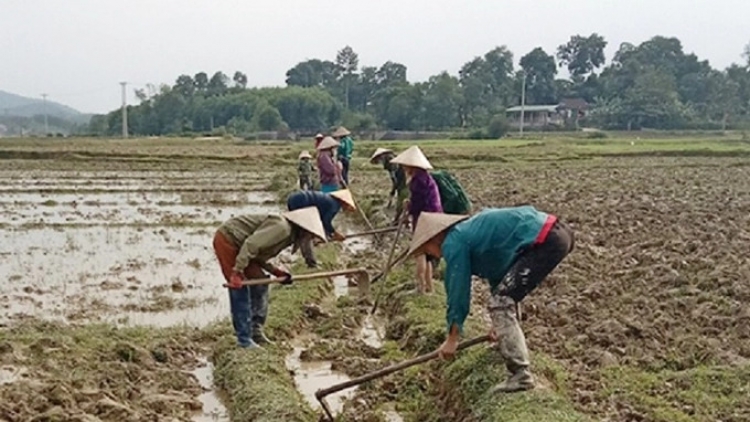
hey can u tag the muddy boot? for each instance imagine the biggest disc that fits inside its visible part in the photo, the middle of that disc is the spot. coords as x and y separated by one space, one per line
249 345
511 345
259 336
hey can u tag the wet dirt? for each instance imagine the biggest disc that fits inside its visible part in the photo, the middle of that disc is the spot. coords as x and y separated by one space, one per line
10 374
213 409
139 256
312 376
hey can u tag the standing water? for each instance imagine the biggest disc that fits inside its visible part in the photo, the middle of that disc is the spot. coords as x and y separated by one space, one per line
213 410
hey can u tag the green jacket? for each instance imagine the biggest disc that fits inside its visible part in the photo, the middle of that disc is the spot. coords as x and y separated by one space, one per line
258 238
346 147
485 245
305 168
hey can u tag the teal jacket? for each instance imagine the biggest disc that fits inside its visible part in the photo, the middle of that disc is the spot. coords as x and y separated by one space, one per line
346 147
485 245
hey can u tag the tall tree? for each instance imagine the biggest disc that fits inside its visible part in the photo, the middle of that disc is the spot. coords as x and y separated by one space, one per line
240 79
347 62
540 69
391 73
311 73
442 102
218 83
582 55
201 81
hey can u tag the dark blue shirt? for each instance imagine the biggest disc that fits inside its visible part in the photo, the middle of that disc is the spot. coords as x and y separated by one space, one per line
327 206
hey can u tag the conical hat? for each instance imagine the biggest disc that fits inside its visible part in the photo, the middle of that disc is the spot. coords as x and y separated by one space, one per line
304 154
319 136
413 157
327 143
341 131
429 225
344 195
378 152
308 219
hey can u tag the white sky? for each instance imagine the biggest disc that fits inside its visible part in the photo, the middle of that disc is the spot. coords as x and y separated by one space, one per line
77 51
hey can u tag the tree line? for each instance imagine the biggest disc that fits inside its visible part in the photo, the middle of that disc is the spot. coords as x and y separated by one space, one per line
651 85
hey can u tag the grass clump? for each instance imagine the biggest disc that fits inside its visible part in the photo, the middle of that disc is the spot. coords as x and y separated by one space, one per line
701 394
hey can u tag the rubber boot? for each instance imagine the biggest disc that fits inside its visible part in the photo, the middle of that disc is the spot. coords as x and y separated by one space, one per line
511 345
259 336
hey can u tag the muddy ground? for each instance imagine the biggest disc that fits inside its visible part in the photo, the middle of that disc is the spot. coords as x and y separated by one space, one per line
645 321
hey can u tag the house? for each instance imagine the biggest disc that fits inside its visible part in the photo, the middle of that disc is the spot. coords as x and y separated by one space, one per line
568 111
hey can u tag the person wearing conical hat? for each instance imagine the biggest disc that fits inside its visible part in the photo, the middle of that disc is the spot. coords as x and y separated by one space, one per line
330 177
514 249
344 152
304 171
398 179
243 245
318 138
328 205
424 196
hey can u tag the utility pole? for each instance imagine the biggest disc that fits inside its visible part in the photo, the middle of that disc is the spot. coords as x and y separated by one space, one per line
523 102
46 126
124 110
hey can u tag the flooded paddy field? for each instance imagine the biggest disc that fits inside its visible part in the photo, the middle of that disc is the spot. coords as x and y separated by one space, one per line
112 307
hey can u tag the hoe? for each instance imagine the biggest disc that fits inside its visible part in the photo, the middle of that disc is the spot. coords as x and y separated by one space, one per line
320 395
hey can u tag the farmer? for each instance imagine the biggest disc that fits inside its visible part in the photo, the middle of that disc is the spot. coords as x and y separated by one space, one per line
304 171
319 137
398 179
328 205
424 197
330 175
514 249
344 153
243 245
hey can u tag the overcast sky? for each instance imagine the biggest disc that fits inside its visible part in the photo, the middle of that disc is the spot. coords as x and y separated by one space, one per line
77 51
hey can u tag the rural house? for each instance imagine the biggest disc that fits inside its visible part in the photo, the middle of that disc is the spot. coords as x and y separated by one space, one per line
568 112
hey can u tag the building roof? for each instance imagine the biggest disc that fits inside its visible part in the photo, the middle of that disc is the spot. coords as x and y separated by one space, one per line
533 108
574 103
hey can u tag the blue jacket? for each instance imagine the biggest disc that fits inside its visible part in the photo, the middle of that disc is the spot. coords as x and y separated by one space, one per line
327 205
485 245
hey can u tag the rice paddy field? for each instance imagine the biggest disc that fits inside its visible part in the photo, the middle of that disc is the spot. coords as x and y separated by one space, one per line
112 306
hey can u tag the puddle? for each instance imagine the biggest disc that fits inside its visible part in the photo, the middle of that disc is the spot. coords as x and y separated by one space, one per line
312 376
371 333
10 374
213 409
340 286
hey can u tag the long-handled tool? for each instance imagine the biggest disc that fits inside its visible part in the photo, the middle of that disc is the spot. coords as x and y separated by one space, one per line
321 394
361 211
388 264
369 232
302 277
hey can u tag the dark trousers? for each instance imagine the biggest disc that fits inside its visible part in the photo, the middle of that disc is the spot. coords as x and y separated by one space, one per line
533 265
345 169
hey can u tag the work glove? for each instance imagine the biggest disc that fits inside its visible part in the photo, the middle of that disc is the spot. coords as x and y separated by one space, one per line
278 272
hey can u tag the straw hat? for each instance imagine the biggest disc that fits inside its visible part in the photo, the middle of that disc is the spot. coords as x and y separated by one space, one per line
429 225
308 219
378 152
341 131
319 136
413 157
327 143
345 196
304 154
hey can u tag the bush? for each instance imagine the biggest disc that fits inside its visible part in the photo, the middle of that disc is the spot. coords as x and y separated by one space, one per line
598 134
498 127
476 134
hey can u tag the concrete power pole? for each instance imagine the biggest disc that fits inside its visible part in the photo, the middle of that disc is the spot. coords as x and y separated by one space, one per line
124 110
523 103
46 126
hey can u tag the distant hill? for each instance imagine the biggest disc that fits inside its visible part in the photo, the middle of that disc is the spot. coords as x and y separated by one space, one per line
16 105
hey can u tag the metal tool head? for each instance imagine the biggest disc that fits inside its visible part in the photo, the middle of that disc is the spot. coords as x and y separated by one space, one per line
328 416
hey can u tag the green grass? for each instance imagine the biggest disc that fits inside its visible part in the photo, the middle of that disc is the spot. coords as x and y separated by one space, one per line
699 394
257 384
459 389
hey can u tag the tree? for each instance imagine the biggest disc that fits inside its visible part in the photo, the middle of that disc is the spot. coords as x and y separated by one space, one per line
488 86
267 117
390 74
218 84
540 69
442 102
184 85
347 62
498 126
201 81
746 54
240 79
582 55
312 73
